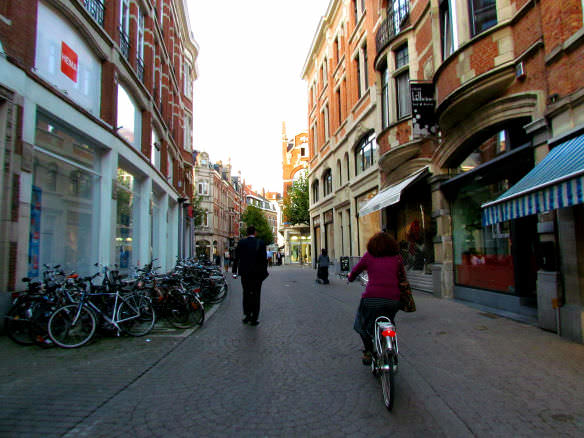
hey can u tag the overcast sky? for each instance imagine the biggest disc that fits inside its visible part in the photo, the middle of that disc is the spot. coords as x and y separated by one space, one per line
250 65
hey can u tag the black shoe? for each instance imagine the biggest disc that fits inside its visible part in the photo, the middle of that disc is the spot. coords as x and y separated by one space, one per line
255 322
246 320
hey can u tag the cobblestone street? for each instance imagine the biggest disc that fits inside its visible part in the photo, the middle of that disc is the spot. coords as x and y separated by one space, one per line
463 372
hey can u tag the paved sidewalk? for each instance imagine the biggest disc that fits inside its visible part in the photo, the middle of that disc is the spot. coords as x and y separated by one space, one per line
463 372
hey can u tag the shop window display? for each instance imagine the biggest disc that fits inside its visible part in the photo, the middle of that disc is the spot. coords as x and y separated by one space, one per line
65 199
127 217
482 256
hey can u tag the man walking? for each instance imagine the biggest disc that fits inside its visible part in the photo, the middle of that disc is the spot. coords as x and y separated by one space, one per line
250 262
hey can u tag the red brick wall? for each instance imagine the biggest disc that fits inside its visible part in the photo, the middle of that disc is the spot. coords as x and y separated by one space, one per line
483 55
18 38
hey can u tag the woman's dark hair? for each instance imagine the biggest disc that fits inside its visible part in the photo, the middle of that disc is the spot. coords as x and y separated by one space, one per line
381 245
324 251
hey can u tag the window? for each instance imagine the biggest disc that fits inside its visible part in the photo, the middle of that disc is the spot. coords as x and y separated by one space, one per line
314 139
339 107
346 164
125 27
358 69
169 167
483 15
140 37
65 190
447 28
340 172
400 12
315 191
385 97
402 83
491 148
365 153
126 244
324 73
188 81
155 150
337 50
327 182
362 68
129 121
325 116
188 133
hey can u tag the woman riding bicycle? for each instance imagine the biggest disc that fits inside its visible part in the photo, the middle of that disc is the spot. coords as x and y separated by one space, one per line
381 296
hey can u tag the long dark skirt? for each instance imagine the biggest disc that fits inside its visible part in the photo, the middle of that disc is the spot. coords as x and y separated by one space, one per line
322 274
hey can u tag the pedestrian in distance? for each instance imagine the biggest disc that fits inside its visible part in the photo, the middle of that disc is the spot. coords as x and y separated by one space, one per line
226 260
250 263
269 257
382 293
323 265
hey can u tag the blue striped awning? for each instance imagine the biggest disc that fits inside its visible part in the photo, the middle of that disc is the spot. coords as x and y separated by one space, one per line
556 182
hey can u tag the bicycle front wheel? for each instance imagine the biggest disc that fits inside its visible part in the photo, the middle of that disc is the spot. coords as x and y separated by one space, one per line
136 315
71 326
387 377
17 324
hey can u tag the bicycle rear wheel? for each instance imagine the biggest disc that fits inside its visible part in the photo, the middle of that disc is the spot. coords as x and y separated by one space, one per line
136 315
386 374
184 310
67 330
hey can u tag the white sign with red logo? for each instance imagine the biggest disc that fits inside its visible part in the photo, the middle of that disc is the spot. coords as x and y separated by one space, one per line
69 62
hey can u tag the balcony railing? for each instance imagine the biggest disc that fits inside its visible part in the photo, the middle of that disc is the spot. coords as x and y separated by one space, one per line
96 9
393 24
124 44
140 69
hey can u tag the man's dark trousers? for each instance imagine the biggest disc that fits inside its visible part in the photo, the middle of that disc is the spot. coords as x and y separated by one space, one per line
252 289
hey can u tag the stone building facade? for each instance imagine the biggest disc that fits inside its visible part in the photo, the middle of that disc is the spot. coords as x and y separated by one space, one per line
477 130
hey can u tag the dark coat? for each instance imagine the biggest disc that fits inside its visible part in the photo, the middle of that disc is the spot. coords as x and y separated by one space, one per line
250 258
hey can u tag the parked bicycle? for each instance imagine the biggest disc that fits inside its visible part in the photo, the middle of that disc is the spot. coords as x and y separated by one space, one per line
74 325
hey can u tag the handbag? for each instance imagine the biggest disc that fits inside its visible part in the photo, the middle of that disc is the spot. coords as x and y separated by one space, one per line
406 299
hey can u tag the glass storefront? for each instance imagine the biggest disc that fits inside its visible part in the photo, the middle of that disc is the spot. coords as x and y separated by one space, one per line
410 223
127 221
498 257
65 199
482 256
368 224
300 249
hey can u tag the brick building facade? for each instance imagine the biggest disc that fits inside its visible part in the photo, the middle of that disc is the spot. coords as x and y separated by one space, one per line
221 196
436 119
96 134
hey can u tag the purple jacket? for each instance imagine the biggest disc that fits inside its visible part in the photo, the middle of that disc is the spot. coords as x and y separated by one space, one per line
383 276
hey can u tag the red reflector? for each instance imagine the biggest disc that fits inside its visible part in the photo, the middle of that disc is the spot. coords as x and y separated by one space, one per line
15 295
390 333
197 290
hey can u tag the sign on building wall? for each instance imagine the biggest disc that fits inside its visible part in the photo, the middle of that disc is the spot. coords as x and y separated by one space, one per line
64 59
423 103
69 61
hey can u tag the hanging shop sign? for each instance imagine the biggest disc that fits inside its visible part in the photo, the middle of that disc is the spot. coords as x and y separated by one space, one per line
423 103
